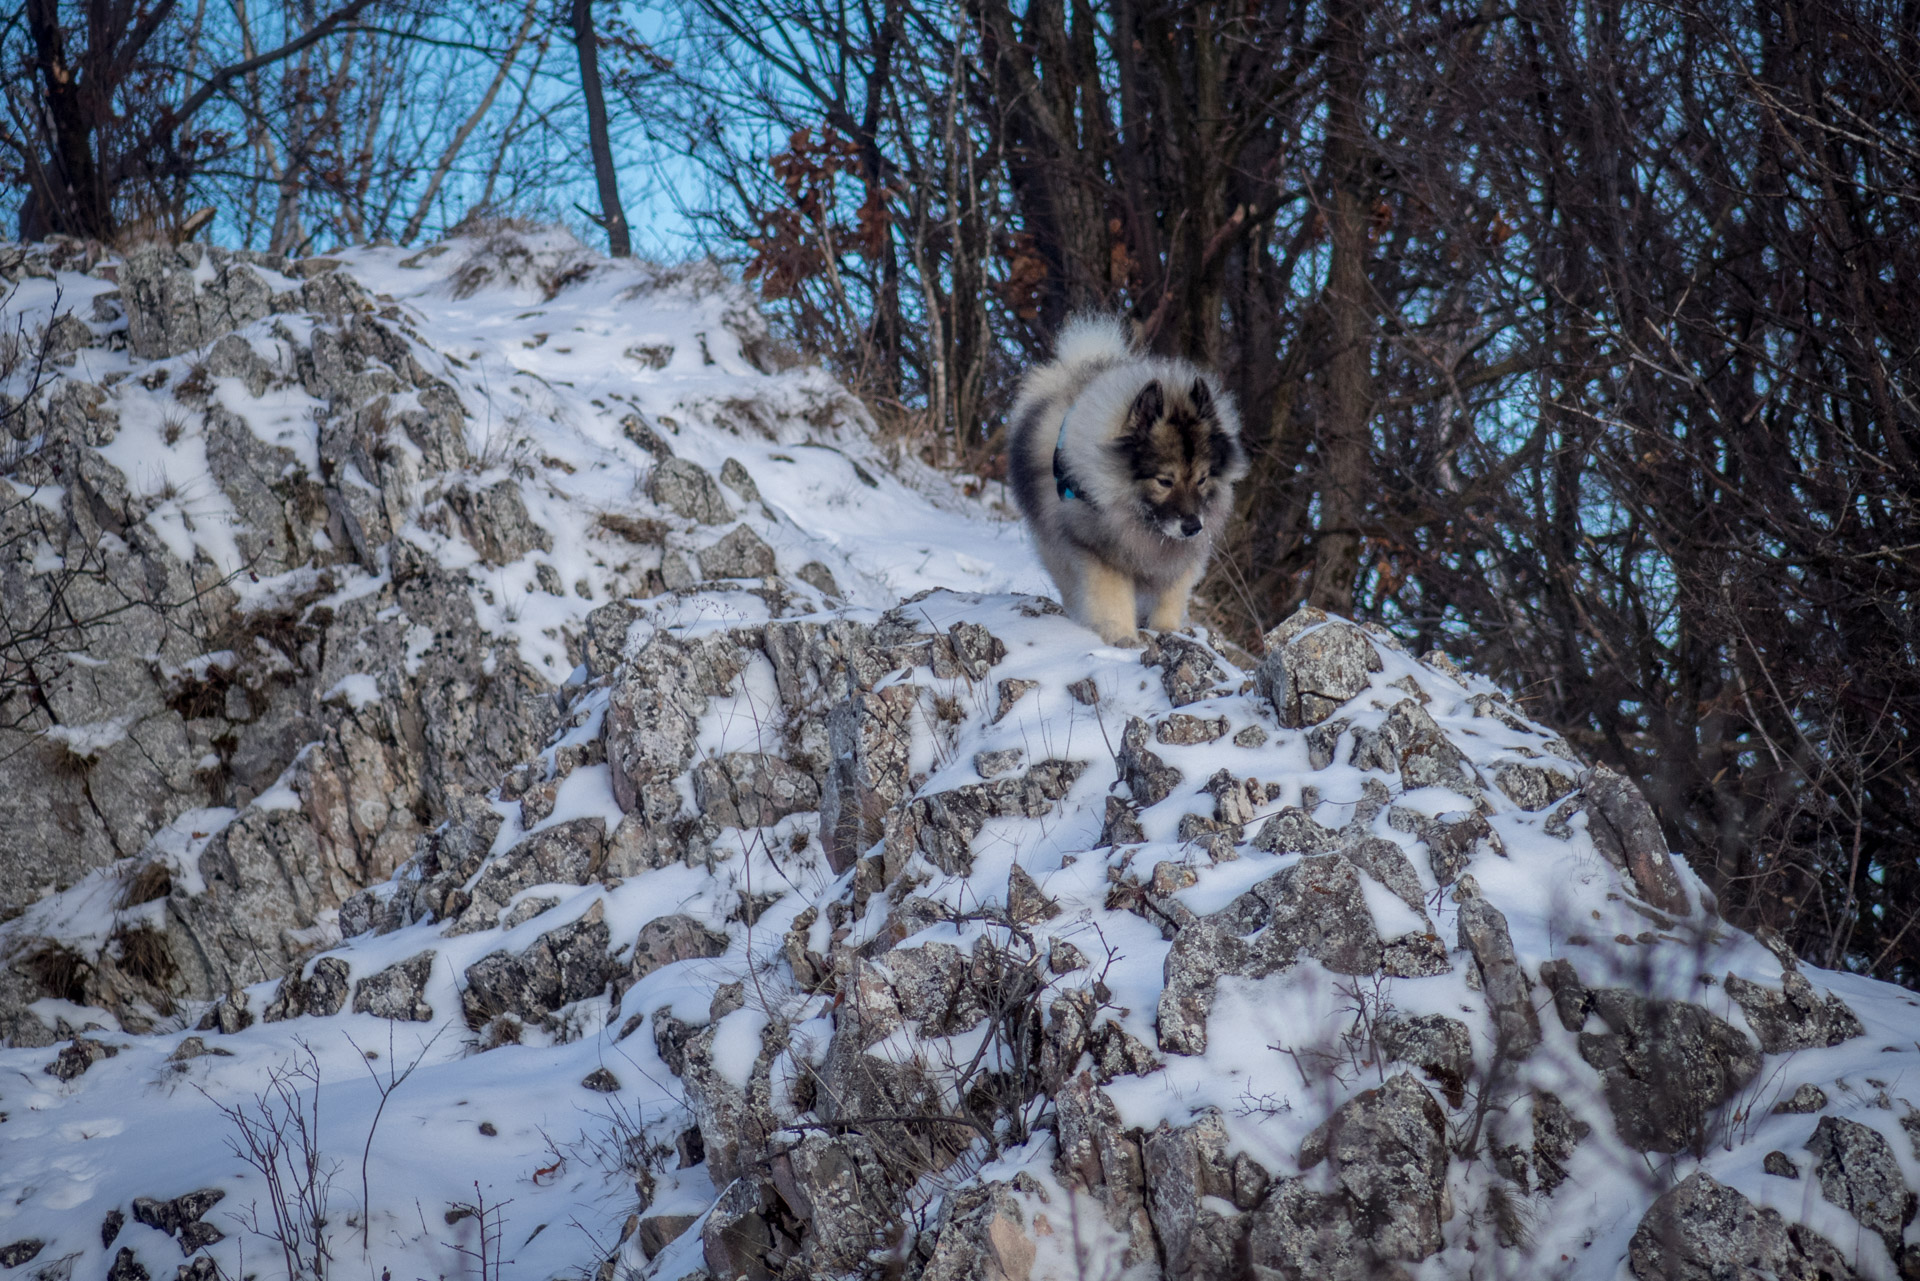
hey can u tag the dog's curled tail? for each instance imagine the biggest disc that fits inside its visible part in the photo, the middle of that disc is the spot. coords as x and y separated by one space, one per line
1092 339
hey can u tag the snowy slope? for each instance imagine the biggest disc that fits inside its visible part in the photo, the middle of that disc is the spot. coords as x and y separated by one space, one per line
808 854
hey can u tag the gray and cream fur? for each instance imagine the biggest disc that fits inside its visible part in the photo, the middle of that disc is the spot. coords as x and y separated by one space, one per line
1124 466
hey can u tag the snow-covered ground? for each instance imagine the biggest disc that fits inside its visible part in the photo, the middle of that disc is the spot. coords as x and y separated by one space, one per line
444 1159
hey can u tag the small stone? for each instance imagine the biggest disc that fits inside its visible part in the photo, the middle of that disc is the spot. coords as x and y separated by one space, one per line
741 553
82 1053
1151 779
735 477
1780 1164
1188 672
686 489
994 764
1012 690
1251 736
1806 1098
16 1253
1027 903
601 1081
396 992
193 1047
489 1129
1085 692
820 578
658 1231
127 1268
1182 730
111 1225
1313 665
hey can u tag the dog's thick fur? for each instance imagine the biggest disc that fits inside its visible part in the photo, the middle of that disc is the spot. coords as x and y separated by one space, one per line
1151 450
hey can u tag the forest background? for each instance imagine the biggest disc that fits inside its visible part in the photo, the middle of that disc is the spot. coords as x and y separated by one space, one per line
1575 337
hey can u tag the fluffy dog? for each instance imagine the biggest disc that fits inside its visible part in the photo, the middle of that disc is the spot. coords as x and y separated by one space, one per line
1124 466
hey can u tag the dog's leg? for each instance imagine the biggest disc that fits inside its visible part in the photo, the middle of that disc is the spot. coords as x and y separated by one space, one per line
1106 597
1170 609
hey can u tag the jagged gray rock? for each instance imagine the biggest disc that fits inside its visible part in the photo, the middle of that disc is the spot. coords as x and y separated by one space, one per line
170 309
741 553
1150 779
687 489
1441 1047
1314 907
1387 1156
1857 1171
1483 932
1627 834
1703 1230
869 736
398 991
1188 671
1795 1017
752 789
562 966
1313 665
1665 1065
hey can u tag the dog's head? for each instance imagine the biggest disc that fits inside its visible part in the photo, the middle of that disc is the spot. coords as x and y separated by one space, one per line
1182 456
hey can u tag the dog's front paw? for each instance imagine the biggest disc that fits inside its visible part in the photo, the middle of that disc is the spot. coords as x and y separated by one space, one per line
1129 638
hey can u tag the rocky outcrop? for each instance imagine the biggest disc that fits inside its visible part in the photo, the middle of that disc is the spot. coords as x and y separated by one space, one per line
867 913
1387 1161
333 645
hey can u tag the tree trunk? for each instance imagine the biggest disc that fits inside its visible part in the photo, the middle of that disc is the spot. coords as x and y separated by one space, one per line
1344 437
612 216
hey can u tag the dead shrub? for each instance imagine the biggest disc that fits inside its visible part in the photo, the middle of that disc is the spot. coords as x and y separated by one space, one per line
59 970
142 953
635 529
148 882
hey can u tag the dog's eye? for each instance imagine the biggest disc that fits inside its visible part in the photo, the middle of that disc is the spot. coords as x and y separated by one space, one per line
1165 482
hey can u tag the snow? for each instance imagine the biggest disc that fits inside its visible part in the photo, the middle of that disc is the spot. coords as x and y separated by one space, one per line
547 384
91 739
359 691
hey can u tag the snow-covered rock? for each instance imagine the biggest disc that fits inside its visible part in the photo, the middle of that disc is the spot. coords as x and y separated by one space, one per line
695 850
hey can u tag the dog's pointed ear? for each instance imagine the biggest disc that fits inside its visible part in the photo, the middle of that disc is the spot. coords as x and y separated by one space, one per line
1202 397
1147 408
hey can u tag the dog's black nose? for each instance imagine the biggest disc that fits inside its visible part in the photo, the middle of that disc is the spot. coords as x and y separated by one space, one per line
1189 526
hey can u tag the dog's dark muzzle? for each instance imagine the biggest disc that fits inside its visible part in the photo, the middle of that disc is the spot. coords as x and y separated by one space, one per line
1189 526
